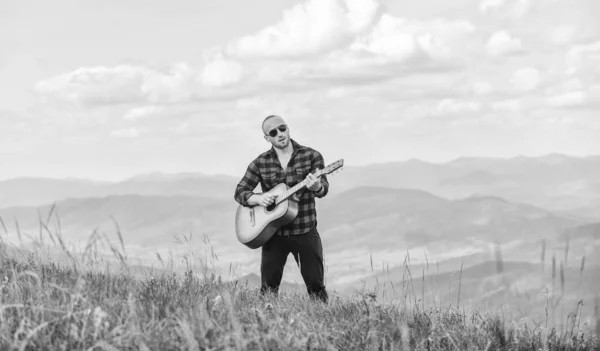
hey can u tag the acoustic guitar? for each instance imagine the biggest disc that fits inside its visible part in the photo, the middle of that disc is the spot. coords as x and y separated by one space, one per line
255 225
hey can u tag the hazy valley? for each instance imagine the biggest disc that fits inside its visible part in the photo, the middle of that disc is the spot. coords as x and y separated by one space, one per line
376 219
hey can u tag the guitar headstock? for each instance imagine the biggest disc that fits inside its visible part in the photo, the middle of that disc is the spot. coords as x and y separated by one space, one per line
332 167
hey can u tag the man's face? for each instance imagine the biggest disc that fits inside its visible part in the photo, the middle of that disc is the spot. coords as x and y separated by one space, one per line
273 134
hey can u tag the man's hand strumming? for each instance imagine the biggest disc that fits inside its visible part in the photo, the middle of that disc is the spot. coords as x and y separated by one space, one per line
262 199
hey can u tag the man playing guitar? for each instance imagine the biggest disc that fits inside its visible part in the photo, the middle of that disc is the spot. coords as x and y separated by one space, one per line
288 162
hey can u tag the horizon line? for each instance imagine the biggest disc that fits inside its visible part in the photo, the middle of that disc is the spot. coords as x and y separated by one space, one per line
207 174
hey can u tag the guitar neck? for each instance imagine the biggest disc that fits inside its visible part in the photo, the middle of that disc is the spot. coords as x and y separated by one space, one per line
291 191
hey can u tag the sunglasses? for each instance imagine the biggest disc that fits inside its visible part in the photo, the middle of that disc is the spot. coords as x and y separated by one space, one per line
273 132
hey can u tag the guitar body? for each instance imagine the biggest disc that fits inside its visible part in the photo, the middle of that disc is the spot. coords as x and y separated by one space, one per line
254 226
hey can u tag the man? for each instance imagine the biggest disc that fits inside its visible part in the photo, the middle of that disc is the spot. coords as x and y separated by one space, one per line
289 162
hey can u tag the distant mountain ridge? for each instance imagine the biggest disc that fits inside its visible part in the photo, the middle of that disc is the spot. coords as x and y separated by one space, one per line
163 176
382 216
412 187
42 191
403 218
149 220
555 182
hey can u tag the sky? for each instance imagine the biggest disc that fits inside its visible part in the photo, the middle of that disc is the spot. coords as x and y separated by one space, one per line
107 89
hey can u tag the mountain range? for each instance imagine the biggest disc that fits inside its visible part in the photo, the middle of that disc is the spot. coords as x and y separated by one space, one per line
356 224
42 191
570 185
466 212
555 182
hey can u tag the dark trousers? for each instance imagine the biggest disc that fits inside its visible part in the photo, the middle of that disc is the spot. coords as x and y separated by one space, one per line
308 252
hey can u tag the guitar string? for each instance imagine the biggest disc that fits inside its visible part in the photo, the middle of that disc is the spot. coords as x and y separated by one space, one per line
300 185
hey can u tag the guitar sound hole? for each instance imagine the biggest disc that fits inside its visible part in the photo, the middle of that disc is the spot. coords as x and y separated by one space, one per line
271 207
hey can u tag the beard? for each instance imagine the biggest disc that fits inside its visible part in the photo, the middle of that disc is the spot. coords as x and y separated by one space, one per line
280 145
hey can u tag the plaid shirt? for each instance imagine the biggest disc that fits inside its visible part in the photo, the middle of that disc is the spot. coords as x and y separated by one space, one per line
267 171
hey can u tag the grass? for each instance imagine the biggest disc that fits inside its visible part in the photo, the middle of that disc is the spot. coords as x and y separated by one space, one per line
82 304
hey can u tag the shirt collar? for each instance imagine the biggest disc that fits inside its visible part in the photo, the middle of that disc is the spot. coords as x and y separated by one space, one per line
295 145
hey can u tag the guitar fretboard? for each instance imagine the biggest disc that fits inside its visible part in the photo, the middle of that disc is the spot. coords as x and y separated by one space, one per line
294 189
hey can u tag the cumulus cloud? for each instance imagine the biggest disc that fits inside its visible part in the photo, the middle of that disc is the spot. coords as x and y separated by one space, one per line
501 43
124 84
487 5
526 79
388 39
388 48
400 38
221 71
309 28
394 47
96 84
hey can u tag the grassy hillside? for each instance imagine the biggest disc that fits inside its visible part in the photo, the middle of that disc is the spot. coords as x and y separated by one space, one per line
79 304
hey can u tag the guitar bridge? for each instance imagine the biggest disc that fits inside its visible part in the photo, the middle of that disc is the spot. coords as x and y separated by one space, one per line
252 218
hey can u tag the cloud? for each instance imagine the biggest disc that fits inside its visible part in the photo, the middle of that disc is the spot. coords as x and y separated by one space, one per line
481 88
182 128
510 105
125 133
563 34
584 59
395 47
452 106
125 84
308 29
501 43
573 93
526 79
97 85
390 48
387 39
418 73
399 38
570 99
506 8
221 71
143 111
487 5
